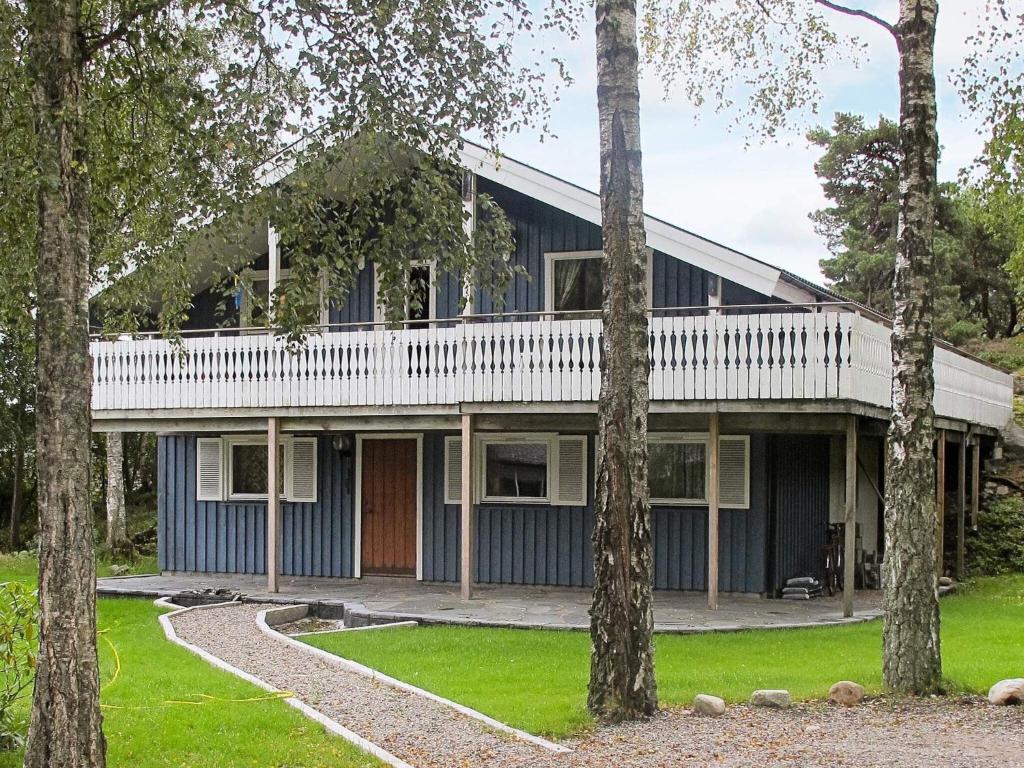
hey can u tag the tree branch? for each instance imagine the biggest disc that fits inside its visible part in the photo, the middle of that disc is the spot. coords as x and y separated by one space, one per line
860 13
124 26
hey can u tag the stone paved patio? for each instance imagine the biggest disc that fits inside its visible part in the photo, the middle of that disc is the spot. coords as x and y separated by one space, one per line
376 600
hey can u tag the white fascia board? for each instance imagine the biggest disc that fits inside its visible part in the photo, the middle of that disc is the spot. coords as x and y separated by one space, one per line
792 293
661 236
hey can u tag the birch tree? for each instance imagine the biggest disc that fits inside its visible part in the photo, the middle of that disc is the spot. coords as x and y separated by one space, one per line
775 49
144 115
622 684
117 526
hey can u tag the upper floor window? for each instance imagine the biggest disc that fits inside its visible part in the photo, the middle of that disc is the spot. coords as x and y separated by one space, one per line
573 281
420 300
253 297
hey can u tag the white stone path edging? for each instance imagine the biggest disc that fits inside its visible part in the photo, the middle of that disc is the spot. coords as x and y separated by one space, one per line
331 725
353 666
367 628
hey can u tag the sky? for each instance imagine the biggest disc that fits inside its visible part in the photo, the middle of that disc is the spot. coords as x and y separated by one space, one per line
706 175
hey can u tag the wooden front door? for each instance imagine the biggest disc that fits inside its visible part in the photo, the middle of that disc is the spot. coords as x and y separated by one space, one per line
388 500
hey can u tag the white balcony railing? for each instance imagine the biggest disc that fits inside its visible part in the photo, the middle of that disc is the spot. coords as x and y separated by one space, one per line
760 356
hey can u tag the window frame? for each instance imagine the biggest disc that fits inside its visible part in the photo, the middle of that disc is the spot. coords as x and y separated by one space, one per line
380 311
249 277
682 438
704 437
528 438
229 445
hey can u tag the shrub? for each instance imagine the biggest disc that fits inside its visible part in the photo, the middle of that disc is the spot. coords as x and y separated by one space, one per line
997 547
18 647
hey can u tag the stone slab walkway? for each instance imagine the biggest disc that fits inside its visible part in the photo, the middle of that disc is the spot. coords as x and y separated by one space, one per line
960 733
539 607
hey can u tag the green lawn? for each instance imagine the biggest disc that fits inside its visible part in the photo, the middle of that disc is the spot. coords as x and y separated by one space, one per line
155 710
536 680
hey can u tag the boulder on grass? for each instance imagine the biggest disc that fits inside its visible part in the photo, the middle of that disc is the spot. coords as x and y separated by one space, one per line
774 699
712 706
1007 692
846 693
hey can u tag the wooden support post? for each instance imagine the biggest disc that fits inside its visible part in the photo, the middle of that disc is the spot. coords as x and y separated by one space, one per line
273 265
713 431
975 481
469 198
961 506
273 504
467 528
940 497
850 516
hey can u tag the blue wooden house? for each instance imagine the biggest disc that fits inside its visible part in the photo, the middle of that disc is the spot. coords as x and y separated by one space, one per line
460 447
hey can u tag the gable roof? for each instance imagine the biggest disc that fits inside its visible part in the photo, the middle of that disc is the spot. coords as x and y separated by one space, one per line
662 236
672 240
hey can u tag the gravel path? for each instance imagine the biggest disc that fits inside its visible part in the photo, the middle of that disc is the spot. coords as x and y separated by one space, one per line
417 730
927 734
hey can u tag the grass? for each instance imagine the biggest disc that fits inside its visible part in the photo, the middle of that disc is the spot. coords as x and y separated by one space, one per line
536 679
23 566
155 713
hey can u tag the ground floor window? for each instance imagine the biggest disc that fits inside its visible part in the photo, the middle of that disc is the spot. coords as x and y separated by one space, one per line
235 468
677 470
521 468
248 469
516 471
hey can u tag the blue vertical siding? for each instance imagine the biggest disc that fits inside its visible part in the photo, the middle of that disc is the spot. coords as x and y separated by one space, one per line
441 522
536 544
230 537
799 505
675 283
539 228
358 306
548 545
680 537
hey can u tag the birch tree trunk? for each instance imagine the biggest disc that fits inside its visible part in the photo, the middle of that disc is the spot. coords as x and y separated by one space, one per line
65 729
622 684
911 662
117 530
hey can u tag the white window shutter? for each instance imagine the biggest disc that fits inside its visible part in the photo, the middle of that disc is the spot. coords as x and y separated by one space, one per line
734 471
302 480
209 469
453 470
571 479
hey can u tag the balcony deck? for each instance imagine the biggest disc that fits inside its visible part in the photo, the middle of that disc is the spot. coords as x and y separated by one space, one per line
790 355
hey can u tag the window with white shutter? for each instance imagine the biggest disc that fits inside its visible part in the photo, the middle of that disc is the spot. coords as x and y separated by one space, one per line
302 480
734 471
571 484
453 470
209 469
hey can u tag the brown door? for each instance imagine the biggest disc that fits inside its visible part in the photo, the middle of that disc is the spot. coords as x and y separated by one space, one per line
389 507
